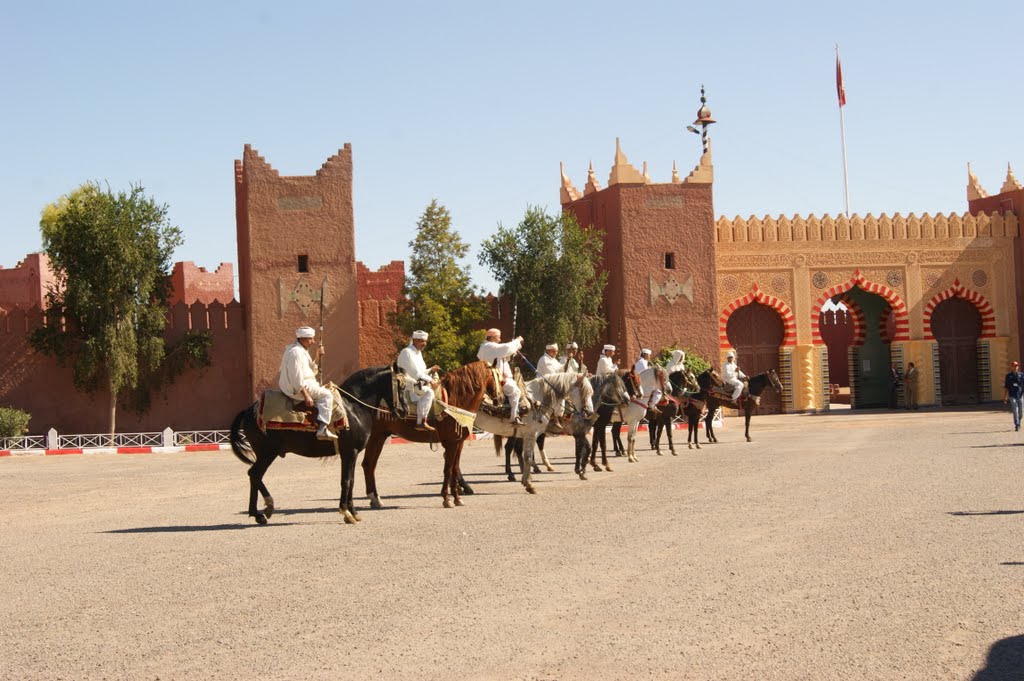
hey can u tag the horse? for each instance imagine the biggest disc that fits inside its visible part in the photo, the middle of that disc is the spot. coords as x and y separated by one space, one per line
675 401
360 394
466 387
647 380
546 395
755 386
611 395
696 408
582 398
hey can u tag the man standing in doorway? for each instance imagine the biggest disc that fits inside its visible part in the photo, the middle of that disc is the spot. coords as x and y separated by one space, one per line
910 386
1013 390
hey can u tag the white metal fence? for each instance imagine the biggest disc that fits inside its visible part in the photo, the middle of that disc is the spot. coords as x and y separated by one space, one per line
23 442
164 438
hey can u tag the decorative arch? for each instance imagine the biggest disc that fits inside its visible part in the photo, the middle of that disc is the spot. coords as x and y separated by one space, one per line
857 314
899 308
788 318
957 290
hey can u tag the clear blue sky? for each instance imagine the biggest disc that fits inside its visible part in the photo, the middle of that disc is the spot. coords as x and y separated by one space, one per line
475 104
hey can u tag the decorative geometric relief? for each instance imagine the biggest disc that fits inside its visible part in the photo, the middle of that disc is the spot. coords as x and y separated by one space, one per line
303 295
979 277
671 289
730 284
894 278
819 279
932 279
780 283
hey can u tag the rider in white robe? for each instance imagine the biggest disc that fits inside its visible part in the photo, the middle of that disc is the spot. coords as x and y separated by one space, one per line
643 364
677 363
494 351
297 379
419 380
571 361
732 376
548 363
606 365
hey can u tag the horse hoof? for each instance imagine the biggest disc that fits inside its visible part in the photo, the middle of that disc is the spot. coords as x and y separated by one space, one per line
447 503
551 469
689 445
536 470
583 476
458 502
269 510
356 516
698 446
597 469
530 489
349 520
467 491
749 439
260 519
608 468
375 503
659 452
511 478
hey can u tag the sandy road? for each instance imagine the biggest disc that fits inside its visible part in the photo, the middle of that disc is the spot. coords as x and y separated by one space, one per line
848 546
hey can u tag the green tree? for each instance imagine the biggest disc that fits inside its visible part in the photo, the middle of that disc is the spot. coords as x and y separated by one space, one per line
550 269
439 296
693 361
111 254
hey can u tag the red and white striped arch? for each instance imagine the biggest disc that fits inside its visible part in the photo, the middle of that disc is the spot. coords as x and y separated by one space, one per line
756 294
857 314
899 308
957 290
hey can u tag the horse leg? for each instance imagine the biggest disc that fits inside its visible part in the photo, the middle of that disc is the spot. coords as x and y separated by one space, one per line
456 490
631 442
529 462
541 441
746 415
598 438
374 448
256 473
447 478
510 446
668 425
617 438
268 501
348 477
653 433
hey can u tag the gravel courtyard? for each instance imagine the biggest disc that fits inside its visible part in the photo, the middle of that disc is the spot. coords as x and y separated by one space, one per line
884 545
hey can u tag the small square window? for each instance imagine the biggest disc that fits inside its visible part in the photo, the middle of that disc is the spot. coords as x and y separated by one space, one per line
670 261
304 264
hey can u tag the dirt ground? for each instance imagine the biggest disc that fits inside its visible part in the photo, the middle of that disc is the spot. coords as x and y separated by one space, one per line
845 546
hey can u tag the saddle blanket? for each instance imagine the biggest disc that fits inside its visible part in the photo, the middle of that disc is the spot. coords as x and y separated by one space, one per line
277 411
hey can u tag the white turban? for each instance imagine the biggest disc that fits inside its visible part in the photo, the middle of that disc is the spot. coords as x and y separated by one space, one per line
493 332
609 348
678 356
419 335
551 346
730 354
305 332
645 351
572 346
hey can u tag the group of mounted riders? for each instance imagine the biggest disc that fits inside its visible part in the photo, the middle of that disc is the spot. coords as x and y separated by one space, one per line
489 394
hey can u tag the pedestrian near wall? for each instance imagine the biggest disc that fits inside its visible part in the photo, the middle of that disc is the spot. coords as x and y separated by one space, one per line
1013 390
910 386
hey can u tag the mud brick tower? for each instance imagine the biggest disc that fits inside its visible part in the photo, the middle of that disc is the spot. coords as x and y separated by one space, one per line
296 254
659 250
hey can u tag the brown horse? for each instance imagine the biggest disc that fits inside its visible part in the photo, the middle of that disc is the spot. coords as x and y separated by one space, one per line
466 387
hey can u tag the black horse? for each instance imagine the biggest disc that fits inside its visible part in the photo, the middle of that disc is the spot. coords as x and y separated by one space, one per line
755 387
610 395
675 402
361 393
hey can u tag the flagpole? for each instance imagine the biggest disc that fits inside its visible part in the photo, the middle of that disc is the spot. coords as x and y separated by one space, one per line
842 131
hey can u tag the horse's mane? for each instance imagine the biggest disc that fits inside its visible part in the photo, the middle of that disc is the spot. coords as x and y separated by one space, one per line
557 384
362 377
466 383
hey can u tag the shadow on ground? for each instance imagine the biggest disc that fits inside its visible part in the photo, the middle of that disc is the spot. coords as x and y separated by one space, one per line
1005 661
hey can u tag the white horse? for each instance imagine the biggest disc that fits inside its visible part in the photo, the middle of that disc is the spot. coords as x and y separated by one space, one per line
546 396
651 378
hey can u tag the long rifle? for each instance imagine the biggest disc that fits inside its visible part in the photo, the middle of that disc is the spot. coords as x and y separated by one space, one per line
320 366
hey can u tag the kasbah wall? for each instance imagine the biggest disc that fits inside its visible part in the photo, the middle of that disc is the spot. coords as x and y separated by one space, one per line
277 220
676 276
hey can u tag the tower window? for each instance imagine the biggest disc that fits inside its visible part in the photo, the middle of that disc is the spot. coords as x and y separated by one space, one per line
304 264
670 261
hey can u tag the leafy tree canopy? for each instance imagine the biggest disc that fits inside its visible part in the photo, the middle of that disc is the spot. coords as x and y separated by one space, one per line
111 254
693 361
550 269
439 296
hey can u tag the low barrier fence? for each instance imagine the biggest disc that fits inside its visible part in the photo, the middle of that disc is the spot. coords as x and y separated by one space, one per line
167 438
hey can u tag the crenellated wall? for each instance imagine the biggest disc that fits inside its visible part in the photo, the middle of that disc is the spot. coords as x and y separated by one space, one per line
26 283
913 262
190 283
203 399
378 293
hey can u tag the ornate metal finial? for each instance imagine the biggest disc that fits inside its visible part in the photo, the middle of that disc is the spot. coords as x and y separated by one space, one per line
704 119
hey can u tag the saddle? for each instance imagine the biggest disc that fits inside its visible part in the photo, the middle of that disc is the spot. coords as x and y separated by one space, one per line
277 411
499 407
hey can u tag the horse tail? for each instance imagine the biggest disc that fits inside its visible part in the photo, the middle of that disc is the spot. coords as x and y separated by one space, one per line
239 443
497 445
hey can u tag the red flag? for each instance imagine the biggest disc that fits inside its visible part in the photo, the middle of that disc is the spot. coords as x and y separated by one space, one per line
840 90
